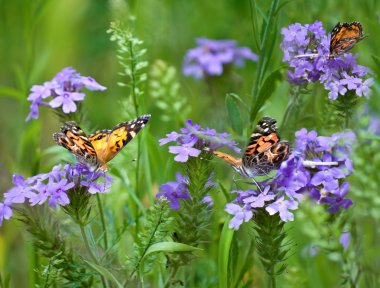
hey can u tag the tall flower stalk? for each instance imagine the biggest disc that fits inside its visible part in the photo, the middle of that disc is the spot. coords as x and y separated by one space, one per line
193 145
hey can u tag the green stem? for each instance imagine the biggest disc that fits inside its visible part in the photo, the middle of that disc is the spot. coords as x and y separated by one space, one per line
133 80
101 212
272 280
172 274
89 251
293 101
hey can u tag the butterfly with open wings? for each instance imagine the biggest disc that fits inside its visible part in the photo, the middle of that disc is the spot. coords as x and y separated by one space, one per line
97 149
264 153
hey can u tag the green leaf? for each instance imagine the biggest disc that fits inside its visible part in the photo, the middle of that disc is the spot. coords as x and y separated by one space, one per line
104 272
266 91
376 67
224 253
12 93
234 112
170 247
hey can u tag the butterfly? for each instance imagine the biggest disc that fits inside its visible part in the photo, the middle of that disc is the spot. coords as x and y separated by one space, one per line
264 153
344 36
97 149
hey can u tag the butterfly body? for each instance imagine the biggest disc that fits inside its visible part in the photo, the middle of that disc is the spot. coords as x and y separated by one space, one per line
98 148
264 153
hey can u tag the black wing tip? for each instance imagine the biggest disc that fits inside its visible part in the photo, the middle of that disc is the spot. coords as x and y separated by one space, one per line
347 24
145 117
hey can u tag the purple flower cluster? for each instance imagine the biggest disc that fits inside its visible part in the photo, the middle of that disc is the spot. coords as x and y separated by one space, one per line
317 167
307 50
64 89
211 55
193 138
53 187
175 190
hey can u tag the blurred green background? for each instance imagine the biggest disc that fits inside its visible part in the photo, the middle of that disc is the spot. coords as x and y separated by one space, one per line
39 38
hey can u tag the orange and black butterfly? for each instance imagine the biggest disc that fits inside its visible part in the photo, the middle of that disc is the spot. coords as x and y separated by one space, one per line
100 147
264 152
344 36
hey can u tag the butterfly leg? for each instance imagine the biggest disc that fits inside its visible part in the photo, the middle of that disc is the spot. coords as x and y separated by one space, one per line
257 185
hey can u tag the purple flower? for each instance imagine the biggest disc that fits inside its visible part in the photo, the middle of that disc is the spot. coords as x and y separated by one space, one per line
53 187
5 212
193 138
58 193
173 191
307 51
317 168
336 199
66 100
241 214
63 90
283 206
184 152
207 199
20 192
210 57
345 239
256 200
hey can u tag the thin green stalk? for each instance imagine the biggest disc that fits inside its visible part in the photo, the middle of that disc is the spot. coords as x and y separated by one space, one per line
172 274
47 276
147 246
89 251
101 212
291 105
272 279
135 103
133 80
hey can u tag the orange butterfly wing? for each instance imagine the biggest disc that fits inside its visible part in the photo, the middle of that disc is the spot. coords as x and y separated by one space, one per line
344 36
75 140
107 143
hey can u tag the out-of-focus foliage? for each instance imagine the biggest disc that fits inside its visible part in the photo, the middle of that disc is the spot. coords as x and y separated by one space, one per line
39 38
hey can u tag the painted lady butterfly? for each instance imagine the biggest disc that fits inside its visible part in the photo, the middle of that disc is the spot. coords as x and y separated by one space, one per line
97 149
344 36
264 152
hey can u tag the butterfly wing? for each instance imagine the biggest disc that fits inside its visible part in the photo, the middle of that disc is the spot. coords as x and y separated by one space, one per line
107 143
74 139
344 36
265 151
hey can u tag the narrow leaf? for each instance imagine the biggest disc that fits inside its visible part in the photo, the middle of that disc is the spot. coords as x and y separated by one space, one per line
104 272
170 247
224 253
266 91
234 112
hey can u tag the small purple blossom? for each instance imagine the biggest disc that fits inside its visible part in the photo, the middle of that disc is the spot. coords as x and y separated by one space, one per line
210 57
193 138
241 214
306 49
63 90
175 190
317 167
282 206
5 212
66 100
345 239
53 187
